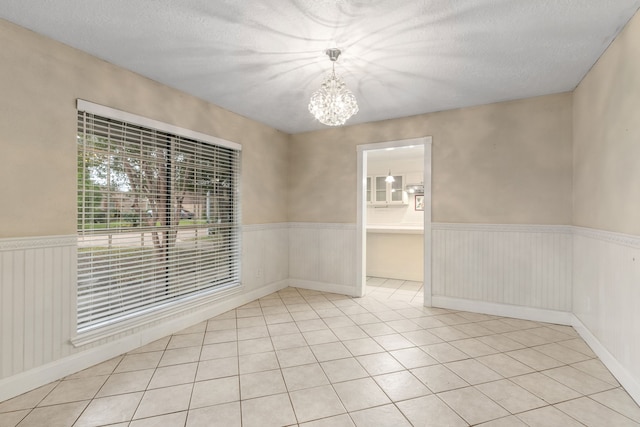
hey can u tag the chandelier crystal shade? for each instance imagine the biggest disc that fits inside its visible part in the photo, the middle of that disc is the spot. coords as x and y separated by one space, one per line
333 104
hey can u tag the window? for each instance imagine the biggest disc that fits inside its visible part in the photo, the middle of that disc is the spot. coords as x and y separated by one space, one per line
384 193
158 216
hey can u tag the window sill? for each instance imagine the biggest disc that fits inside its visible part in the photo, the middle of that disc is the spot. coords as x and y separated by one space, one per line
153 315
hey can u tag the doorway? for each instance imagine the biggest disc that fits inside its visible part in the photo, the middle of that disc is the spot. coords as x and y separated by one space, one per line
369 196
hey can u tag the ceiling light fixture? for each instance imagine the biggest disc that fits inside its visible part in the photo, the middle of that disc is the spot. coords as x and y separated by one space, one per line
389 178
333 104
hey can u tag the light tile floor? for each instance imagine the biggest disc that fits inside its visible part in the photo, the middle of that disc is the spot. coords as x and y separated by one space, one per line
307 358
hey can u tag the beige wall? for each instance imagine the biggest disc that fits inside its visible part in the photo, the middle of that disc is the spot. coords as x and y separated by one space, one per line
501 163
509 162
606 122
40 80
395 256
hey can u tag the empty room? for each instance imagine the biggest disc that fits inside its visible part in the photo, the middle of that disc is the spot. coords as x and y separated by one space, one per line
319 213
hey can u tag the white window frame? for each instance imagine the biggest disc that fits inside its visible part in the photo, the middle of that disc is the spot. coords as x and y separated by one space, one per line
170 308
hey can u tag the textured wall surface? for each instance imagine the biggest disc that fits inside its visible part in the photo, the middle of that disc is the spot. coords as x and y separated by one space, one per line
606 179
501 163
40 81
606 294
606 120
523 265
395 256
323 257
519 162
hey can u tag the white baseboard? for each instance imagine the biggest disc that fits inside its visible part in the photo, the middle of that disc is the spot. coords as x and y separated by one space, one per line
44 374
548 316
29 380
394 274
505 310
617 370
324 287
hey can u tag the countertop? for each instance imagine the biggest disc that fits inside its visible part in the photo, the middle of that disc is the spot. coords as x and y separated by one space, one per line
395 229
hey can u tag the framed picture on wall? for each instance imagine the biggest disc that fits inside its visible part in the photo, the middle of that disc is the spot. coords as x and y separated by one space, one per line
419 203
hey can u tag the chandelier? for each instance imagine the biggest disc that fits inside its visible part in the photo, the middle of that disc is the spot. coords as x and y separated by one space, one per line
333 103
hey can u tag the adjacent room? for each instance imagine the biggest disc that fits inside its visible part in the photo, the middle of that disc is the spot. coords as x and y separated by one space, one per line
319 213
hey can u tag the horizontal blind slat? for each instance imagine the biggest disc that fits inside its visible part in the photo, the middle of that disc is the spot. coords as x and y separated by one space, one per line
138 244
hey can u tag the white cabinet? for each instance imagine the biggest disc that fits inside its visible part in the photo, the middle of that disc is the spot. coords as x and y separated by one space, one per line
381 192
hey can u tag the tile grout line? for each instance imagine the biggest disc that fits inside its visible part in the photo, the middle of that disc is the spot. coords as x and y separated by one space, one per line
390 306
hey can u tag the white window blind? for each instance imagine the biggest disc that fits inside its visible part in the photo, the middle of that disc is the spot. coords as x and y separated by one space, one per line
158 219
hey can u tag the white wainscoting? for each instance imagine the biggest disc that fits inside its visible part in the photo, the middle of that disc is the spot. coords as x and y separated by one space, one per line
265 254
37 303
323 257
606 300
516 265
37 300
519 270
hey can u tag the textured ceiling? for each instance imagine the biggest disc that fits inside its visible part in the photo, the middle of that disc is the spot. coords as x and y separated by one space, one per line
263 59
